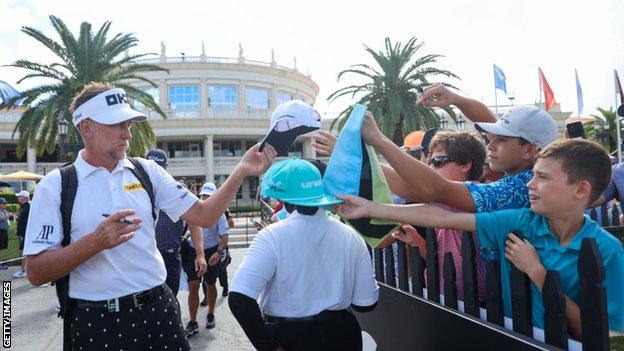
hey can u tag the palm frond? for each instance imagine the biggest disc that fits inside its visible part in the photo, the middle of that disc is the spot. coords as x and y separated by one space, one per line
392 86
84 58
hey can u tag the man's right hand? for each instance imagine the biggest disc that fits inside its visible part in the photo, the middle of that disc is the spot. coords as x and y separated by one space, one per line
200 265
112 233
254 162
437 96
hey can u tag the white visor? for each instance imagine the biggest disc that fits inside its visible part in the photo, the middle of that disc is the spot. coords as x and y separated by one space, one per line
109 107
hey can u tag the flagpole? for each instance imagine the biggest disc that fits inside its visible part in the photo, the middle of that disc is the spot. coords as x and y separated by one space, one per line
539 79
617 120
495 92
496 101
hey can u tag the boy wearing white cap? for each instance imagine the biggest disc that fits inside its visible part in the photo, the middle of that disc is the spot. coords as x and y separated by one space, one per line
117 297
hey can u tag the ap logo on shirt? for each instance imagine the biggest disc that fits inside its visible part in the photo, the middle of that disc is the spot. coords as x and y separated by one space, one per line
43 237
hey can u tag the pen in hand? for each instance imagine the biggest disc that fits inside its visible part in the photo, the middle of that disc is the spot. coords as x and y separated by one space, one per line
126 221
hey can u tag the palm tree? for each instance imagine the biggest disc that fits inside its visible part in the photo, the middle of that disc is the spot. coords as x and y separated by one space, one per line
607 137
392 88
91 57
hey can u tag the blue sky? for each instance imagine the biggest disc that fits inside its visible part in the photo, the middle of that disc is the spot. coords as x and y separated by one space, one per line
518 36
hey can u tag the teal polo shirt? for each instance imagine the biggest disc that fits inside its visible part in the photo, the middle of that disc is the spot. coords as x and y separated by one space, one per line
493 227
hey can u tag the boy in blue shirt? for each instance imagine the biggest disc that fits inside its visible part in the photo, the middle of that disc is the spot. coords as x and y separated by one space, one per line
568 175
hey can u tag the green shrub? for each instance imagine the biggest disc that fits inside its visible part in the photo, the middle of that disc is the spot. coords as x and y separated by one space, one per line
13 207
10 197
242 209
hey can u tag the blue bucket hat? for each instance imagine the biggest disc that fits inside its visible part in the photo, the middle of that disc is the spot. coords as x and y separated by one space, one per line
298 182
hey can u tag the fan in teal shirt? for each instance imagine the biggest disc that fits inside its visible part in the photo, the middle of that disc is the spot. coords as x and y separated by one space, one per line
493 227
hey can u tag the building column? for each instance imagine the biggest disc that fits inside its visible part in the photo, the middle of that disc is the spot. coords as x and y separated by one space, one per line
209 157
203 98
246 192
308 150
273 96
242 95
31 159
164 97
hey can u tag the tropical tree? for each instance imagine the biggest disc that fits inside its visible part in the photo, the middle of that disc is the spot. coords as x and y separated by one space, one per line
90 57
392 87
606 136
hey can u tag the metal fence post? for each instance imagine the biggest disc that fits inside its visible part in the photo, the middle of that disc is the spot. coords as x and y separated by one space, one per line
555 321
469 274
594 320
433 266
450 286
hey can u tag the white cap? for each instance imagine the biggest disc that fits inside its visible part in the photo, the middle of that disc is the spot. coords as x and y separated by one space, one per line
23 193
292 114
527 122
208 189
109 107
289 120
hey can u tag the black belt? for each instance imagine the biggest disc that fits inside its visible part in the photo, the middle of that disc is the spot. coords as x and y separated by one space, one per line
133 300
324 315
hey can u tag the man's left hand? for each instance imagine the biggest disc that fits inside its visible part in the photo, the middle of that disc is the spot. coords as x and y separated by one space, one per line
214 259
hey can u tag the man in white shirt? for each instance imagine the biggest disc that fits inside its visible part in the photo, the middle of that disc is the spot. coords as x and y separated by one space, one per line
307 271
116 274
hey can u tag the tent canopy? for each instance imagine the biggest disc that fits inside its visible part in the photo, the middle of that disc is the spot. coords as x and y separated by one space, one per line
21 175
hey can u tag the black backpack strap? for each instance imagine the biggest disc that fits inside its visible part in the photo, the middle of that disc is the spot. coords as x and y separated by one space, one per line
69 187
140 173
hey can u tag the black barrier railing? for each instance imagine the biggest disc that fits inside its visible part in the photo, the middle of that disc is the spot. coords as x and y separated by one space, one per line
593 306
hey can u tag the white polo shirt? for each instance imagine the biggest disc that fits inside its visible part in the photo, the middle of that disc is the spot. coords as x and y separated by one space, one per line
133 266
303 265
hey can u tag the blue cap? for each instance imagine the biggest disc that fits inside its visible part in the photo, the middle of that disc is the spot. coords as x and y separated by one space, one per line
158 156
298 182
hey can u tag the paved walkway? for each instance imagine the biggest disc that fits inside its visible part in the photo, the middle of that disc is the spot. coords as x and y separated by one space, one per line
35 325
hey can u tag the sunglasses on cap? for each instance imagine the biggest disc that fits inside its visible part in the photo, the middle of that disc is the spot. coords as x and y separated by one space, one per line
440 161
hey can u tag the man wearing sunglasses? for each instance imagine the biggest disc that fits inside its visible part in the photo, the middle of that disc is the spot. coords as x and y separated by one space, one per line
514 142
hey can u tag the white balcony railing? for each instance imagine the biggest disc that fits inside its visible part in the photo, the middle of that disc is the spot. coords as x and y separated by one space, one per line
46 167
184 113
226 161
10 167
10 117
187 162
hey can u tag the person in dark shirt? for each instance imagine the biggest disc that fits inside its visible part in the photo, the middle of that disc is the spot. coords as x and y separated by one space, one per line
169 236
23 197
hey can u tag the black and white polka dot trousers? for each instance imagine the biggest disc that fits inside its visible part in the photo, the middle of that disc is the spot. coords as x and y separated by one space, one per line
156 325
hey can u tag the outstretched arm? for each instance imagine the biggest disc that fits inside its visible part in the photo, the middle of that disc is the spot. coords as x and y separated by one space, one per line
418 182
205 213
440 96
420 215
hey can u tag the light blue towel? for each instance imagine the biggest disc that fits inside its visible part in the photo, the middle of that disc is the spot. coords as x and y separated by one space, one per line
342 175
